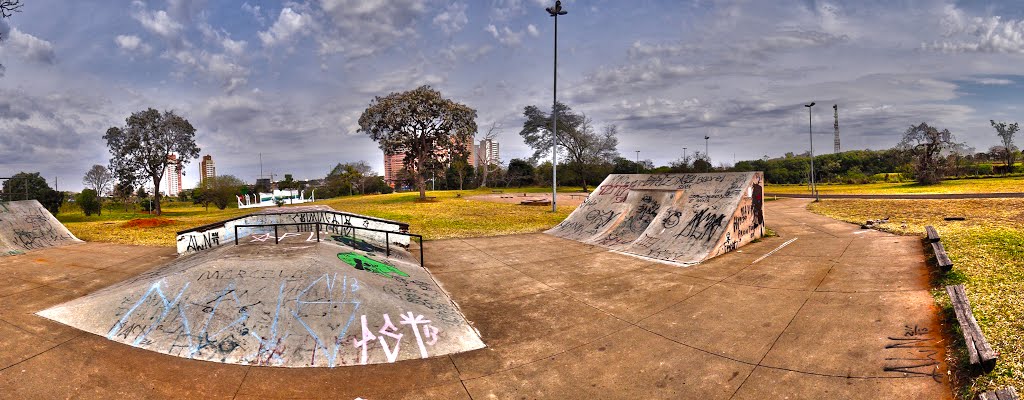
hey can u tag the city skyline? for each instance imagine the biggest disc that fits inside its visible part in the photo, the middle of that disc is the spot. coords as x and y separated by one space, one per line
295 76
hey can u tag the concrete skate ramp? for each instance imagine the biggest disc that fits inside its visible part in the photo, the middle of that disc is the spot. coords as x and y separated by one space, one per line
25 225
299 303
208 236
684 218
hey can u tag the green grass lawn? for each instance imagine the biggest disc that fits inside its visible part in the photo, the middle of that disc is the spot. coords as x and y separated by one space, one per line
987 250
984 185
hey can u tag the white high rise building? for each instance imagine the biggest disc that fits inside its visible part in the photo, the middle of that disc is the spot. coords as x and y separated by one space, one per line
487 152
173 175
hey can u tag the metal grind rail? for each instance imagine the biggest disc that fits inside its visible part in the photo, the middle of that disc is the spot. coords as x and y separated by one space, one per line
387 234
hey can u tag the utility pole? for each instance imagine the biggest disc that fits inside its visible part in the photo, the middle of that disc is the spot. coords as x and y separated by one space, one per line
835 108
814 188
638 161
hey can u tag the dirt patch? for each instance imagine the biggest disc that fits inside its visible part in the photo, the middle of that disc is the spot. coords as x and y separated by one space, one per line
571 199
148 223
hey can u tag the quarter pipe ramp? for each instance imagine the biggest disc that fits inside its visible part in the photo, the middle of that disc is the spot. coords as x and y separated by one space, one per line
684 218
25 225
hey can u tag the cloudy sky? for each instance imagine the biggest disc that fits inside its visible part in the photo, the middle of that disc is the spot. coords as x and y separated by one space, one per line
289 80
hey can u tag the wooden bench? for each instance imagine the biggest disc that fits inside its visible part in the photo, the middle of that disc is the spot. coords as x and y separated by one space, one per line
1007 393
573 196
979 351
941 258
538 202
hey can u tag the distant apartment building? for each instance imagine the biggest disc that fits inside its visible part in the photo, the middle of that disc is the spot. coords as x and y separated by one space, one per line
393 163
206 169
487 152
173 175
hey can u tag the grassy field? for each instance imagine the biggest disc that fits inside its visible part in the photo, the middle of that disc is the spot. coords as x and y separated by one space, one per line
448 216
985 185
987 250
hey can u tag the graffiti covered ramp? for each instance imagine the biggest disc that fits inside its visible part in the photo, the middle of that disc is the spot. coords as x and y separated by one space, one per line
295 304
25 225
684 218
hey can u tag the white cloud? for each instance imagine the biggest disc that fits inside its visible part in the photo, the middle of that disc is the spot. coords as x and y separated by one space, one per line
399 80
158 22
289 24
358 28
453 19
505 35
254 11
132 44
25 45
978 34
993 81
235 47
532 30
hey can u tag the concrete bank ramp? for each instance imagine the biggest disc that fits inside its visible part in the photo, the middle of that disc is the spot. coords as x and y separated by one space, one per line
684 218
300 303
25 225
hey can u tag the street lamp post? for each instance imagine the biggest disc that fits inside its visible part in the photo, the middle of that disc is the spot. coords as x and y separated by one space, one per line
638 161
555 12
707 158
814 188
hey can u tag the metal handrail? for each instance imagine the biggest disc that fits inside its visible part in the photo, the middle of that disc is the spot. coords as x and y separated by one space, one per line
387 234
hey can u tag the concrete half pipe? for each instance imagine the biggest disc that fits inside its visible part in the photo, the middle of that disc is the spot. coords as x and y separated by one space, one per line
684 218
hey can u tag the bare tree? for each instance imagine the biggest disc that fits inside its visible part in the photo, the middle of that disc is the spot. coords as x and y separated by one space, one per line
1006 133
926 144
9 7
486 168
99 179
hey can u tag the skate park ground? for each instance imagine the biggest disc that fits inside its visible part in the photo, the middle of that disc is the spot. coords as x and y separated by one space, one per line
839 312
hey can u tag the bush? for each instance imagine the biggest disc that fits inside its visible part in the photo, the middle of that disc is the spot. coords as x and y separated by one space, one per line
89 202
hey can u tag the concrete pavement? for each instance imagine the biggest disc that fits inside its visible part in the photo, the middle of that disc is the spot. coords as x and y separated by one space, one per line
837 313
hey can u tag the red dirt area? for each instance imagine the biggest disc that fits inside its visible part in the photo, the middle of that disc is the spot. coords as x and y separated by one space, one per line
148 222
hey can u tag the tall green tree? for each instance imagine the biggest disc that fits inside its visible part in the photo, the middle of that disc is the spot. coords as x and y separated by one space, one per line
141 147
90 203
925 144
28 186
1005 132
416 124
222 190
582 147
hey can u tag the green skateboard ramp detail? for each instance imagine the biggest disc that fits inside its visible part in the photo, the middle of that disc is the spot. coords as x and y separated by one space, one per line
364 263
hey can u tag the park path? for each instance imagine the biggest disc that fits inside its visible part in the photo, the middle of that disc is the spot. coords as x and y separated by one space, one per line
825 310
908 196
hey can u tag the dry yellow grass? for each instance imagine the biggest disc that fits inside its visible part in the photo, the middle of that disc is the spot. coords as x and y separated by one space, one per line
447 217
987 250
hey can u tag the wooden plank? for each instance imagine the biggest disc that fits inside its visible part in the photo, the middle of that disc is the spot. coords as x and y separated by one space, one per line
957 296
941 258
932 235
1007 393
979 350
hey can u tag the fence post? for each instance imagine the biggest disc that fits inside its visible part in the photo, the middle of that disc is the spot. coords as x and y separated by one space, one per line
275 234
421 252
387 243
236 235
318 232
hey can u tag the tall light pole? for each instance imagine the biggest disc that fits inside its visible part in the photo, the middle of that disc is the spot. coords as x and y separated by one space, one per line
555 12
684 155
638 161
707 158
814 188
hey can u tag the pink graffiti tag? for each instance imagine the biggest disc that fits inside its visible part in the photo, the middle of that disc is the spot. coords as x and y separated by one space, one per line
367 337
